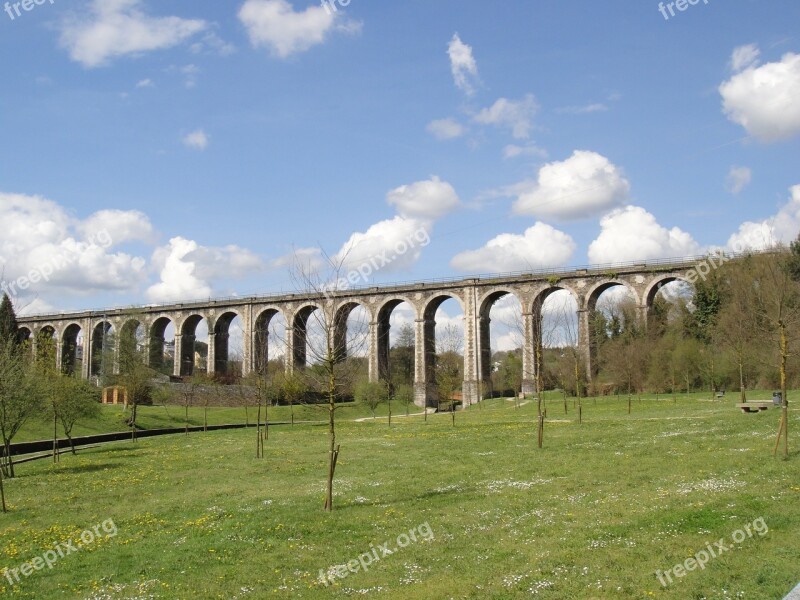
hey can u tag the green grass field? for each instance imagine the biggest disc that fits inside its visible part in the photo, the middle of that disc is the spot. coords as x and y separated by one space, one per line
592 515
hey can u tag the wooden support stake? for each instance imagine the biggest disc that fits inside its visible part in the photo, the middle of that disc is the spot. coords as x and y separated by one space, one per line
780 434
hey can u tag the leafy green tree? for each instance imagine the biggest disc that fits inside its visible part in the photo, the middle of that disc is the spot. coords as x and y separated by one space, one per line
9 329
17 402
401 358
74 400
371 395
404 394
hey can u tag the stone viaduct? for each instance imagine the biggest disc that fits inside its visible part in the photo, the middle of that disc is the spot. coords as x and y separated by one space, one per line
475 295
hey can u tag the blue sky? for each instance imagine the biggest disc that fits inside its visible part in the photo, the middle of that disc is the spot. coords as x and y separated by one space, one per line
179 150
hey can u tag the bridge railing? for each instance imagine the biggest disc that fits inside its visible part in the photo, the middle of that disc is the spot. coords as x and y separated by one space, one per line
606 268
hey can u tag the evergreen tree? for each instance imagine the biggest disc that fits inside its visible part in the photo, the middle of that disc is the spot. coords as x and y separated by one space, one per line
8 321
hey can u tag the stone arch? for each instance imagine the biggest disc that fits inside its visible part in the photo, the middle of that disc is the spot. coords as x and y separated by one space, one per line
24 335
156 343
261 337
70 348
299 327
102 341
652 289
221 340
430 307
533 356
188 333
594 293
46 341
384 327
340 324
128 342
485 306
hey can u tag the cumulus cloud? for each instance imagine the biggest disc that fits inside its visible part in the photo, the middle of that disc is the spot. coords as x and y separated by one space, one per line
197 140
632 233
765 99
584 185
516 115
114 28
541 246
738 179
276 25
446 129
44 249
187 269
396 244
781 228
463 65
425 200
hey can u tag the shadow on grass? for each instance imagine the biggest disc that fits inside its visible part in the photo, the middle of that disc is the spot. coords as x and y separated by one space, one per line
93 468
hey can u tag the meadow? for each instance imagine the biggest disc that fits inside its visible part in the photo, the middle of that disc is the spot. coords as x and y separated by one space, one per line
474 510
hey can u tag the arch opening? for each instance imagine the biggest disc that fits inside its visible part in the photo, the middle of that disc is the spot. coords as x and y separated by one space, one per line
72 350
194 346
270 342
102 344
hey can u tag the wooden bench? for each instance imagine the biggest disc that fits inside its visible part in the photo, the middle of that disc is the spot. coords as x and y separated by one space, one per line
753 407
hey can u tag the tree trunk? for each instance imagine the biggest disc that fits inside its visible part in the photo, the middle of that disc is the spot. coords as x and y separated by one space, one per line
331 453
186 416
55 437
784 356
258 432
742 393
2 492
9 460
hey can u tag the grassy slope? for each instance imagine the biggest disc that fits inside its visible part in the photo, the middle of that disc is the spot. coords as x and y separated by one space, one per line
592 515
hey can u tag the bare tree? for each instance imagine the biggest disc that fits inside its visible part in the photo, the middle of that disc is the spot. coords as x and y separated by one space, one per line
775 298
329 338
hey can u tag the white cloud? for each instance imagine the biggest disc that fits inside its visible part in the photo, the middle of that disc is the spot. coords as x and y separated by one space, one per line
513 151
389 246
582 110
738 179
541 246
744 57
446 129
765 100
514 115
463 65
121 226
197 139
39 240
145 83
584 185
632 233
114 28
779 229
186 269
275 24
425 200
